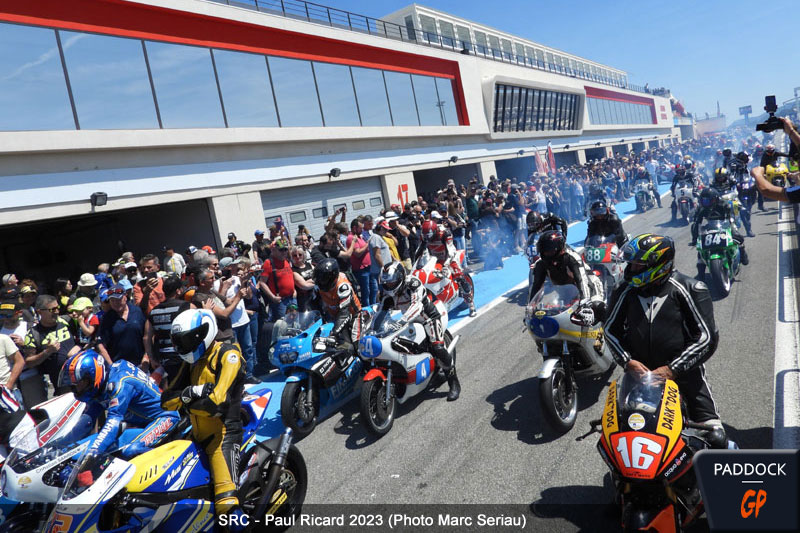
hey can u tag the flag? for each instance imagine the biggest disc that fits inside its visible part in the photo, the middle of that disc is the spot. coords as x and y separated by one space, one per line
551 159
541 167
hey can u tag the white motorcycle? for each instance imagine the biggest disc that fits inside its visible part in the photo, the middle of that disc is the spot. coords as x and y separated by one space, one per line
645 199
685 201
602 255
570 347
448 289
401 366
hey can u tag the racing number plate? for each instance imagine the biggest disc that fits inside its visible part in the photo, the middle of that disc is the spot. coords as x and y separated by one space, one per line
714 239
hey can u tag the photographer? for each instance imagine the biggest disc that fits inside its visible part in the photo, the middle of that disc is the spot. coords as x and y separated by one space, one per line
773 192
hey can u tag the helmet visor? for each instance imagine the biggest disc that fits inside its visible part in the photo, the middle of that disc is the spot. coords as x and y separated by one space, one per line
188 341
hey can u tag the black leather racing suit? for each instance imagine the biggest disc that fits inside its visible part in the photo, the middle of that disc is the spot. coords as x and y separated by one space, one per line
569 268
670 325
609 225
550 222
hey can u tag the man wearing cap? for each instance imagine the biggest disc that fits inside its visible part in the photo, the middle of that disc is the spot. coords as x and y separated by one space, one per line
235 245
173 261
277 280
10 280
122 330
11 322
261 247
149 291
11 365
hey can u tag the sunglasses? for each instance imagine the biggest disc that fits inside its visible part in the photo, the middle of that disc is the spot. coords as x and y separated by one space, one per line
117 291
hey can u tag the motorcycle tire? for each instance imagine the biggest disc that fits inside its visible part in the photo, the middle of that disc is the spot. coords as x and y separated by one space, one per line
378 417
293 481
560 406
639 205
720 277
294 393
685 212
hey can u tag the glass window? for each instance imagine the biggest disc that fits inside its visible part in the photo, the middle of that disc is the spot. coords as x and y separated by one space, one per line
549 59
507 49
109 82
319 212
499 92
371 93
375 202
448 33
185 86
463 36
272 220
295 92
530 125
359 205
297 216
520 51
401 99
246 90
33 92
480 39
336 94
447 101
428 105
429 28
515 107
494 44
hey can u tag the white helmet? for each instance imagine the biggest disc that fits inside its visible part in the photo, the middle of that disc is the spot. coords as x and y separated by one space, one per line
393 278
193 332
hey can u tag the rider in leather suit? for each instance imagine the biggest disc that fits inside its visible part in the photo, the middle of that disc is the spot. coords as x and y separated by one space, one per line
663 321
439 242
419 304
538 223
643 175
746 188
713 207
683 173
340 302
604 222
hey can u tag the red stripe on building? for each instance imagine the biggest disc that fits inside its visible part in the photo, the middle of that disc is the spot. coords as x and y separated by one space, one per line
127 19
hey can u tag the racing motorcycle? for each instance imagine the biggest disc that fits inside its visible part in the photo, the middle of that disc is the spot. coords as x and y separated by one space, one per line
720 253
570 347
451 290
601 253
168 489
645 199
400 366
319 378
648 445
685 198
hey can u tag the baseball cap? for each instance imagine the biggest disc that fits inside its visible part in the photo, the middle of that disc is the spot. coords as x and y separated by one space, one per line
192 249
209 249
130 264
9 307
117 290
231 234
225 262
126 284
280 243
291 306
80 304
383 224
27 289
103 295
7 278
87 280
259 232
435 214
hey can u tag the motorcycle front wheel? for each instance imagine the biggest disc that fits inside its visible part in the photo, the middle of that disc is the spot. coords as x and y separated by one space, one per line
720 277
296 410
558 394
291 489
375 411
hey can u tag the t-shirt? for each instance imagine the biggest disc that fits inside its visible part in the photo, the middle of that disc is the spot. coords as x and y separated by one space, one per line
161 318
239 316
156 295
124 338
392 247
359 262
262 250
39 337
306 272
84 339
280 277
7 351
175 264
21 329
378 246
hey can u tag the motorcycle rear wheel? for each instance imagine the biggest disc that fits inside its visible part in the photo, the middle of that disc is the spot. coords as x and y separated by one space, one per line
559 398
376 413
720 277
293 410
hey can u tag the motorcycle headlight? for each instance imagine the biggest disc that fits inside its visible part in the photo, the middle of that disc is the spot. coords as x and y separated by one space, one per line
288 357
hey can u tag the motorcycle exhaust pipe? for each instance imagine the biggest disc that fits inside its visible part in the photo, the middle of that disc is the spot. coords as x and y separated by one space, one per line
453 343
275 467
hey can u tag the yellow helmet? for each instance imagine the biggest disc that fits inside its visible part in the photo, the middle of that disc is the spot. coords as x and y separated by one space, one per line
777 170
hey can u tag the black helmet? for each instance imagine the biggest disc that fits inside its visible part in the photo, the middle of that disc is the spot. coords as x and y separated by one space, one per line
744 157
326 273
709 197
599 209
534 220
551 246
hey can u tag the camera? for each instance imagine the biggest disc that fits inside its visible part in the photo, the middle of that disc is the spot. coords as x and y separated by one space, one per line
772 123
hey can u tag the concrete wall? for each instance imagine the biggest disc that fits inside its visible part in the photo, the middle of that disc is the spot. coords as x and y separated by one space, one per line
399 188
241 214
486 169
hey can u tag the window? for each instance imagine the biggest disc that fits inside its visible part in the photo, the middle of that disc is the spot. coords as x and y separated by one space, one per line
448 34
33 91
401 99
412 33
526 109
520 52
336 94
297 216
320 212
272 220
494 44
375 202
604 111
359 205
480 42
186 88
428 106
429 28
295 91
444 88
109 82
507 48
371 94
246 91
464 36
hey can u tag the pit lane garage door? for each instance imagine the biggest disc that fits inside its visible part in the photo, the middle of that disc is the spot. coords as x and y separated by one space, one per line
310 205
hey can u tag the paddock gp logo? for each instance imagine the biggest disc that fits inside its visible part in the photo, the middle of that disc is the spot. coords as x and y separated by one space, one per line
749 490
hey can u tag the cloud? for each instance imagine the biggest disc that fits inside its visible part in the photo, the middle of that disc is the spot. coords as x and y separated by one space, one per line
44 58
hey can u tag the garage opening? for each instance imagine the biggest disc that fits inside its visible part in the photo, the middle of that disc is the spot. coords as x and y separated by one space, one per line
566 159
431 180
595 153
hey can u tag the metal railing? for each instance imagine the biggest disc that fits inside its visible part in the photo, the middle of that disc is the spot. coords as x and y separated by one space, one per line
337 18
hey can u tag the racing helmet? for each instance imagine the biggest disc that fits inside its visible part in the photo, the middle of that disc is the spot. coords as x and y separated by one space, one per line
193 332
429 229
551 246
770 148
393 278
85 374
650 260
326 273
743 156
721 175
599 209
774 171
688 164
534 220
709 197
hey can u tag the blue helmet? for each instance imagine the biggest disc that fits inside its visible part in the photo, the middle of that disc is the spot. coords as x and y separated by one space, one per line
85 373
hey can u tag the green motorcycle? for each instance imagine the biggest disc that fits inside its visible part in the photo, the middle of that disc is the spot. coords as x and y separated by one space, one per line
720 253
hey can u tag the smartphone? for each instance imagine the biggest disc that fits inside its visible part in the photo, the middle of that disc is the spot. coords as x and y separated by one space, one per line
151 275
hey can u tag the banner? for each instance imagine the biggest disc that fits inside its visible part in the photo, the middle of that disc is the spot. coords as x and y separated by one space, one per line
541 167
551 159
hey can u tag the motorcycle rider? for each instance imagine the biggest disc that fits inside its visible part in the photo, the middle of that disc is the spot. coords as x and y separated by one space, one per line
439 242
684 173
123 393
209 385
770 156
723 181
418 304
746 189
340 302
564 266
537 223
604 222
643 175
660 307
713 207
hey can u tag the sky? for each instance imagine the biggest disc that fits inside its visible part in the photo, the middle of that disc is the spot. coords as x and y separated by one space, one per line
735 52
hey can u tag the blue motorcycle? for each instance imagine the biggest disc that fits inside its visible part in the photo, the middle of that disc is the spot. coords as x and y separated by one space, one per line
319 377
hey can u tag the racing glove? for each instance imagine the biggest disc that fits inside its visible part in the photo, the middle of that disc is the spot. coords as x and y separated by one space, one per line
196 392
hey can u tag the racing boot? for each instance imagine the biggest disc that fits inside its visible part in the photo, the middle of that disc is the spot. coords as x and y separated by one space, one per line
701 271
674 208
472 310
744 259
454 384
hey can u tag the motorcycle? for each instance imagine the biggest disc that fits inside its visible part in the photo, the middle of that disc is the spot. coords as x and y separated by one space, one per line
601 253
451 291
400 366
720 253
685 198
319 379
533 256
168 488
648 445
570 349
665 173
645 199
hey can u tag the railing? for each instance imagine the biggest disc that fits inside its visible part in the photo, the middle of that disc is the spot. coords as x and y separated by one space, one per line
337 18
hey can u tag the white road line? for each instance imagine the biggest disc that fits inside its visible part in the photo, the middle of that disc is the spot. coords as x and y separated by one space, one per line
786 434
